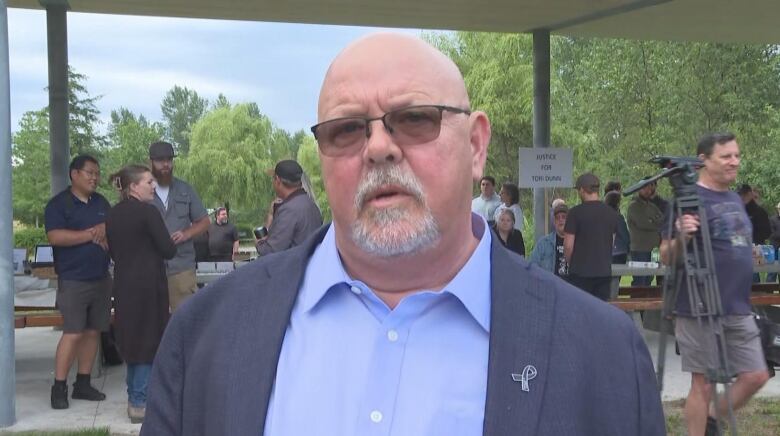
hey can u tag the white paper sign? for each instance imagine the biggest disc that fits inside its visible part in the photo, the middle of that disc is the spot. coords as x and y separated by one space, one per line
545 168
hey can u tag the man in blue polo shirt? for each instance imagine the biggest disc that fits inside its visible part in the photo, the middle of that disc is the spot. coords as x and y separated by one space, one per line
75 226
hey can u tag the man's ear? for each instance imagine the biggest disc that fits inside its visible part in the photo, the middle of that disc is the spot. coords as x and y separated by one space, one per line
479 136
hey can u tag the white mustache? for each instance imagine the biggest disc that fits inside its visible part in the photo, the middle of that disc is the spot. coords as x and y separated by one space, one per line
388 175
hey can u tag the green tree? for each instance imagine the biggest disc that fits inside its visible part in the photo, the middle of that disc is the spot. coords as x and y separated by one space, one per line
232 148
181 109
84 121
31 169
220 102
129 136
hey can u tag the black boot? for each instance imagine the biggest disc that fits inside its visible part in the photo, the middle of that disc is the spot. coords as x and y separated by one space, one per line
83 390
59 395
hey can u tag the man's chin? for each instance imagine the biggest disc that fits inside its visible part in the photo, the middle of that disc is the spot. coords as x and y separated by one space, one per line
390 236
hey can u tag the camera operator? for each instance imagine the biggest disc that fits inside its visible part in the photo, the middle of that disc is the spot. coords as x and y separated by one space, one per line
295 217
731 236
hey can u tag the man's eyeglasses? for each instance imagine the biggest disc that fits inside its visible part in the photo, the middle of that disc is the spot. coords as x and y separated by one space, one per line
408 126
92 174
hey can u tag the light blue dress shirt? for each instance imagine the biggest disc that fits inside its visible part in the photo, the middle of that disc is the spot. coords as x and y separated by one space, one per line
351 366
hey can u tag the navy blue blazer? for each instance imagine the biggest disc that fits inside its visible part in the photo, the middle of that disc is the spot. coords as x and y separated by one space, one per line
216 365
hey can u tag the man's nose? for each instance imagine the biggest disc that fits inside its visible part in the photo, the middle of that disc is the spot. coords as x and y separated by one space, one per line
380 147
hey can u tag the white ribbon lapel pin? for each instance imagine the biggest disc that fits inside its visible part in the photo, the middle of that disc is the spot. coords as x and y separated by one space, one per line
528 374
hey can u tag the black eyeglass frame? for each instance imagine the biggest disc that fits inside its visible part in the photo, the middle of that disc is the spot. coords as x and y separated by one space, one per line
368 121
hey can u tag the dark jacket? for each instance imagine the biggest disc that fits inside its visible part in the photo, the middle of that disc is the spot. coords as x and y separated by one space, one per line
295 219
760 220
138 242
774 238
514 242
215 370
622 238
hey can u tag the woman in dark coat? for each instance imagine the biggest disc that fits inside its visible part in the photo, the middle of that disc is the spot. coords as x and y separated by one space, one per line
138 242
508 235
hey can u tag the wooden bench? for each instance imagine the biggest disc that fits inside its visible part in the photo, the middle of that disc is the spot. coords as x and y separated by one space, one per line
656 303
31 316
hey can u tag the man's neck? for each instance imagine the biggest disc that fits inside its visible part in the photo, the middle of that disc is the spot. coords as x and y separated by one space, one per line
589 197
707 182
488 197
393 278
81 195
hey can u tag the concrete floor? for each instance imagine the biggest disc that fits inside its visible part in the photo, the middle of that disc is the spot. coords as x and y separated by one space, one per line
34 374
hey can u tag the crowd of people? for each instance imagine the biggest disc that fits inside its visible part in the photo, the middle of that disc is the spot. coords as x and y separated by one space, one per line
414 311
150 236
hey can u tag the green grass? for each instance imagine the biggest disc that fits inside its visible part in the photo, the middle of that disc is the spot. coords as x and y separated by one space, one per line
761 417
103 431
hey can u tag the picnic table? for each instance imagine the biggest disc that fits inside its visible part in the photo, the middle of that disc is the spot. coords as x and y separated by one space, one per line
636 298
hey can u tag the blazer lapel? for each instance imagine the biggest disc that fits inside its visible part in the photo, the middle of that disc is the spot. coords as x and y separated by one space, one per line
520 335
261 327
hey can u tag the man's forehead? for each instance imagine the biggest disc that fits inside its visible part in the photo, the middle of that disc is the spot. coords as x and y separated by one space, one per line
391 69
726 148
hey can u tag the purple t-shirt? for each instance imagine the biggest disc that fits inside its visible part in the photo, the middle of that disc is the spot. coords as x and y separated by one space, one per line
731 234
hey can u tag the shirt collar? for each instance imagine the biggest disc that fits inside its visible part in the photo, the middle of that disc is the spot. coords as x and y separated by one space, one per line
471 286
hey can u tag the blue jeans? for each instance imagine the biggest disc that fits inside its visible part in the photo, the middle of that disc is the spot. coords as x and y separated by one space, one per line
641 256
137 378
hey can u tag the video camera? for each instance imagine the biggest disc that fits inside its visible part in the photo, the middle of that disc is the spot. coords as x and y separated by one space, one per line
680 170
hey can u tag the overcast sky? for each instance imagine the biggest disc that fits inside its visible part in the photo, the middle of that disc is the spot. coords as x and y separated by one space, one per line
134 61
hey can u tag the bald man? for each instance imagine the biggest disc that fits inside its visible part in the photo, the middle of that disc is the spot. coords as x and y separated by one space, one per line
403 317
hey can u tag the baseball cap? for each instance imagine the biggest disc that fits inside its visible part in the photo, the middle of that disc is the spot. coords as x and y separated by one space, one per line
561 208
587 180
161 150
289 170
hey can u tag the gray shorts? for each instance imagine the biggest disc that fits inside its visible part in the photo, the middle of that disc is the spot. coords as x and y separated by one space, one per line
697 344
84 305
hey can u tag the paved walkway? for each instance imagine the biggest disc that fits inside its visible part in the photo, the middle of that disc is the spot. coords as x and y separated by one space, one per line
34 374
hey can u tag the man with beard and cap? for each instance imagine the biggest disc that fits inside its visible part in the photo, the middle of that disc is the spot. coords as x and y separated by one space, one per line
184 216
403 317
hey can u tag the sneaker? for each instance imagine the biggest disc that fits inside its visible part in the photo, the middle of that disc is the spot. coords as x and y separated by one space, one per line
59 397
712 427
85 391
136 414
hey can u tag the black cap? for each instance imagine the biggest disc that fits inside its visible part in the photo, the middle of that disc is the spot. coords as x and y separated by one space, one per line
561 208
161 150
589 181
289 170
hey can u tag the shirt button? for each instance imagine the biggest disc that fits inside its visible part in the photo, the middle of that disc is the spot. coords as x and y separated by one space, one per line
355 290
392 335
376 416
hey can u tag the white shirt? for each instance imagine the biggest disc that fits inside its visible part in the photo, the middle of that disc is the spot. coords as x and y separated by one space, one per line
485 207
162 192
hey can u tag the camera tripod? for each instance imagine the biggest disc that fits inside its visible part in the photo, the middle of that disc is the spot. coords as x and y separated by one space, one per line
692 264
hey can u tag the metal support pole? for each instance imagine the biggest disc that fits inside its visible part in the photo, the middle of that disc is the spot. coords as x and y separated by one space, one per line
7 353
57 42
541 118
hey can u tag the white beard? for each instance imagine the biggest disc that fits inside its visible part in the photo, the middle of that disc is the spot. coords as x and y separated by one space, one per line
394 231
